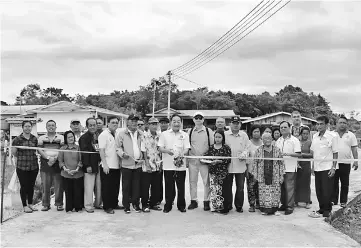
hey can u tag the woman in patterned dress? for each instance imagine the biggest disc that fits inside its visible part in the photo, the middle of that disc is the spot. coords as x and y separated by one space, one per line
269 174
218 171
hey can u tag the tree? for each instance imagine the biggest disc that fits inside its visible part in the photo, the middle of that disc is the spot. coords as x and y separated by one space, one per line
29 95
4 103
51 95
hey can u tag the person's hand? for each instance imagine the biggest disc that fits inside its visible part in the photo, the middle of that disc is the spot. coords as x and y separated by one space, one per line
355 165
125 156
331 173
72 172
105 169
170 152
89 170
51 161
214 162
299 166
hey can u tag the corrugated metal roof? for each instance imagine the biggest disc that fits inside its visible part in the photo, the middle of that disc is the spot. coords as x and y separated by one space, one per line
271 115
61 106
209 113
18 109
107 111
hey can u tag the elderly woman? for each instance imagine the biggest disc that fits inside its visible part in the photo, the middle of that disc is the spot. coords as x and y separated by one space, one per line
269 174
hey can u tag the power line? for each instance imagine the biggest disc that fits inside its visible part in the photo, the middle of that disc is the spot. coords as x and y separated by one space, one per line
217 40
188 80
223 39
222 51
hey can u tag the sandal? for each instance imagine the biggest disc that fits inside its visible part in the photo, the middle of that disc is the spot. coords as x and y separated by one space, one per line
27 209
277 213
315 214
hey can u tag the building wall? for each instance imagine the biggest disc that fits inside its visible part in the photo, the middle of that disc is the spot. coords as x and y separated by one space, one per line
278 119
62 120
4 124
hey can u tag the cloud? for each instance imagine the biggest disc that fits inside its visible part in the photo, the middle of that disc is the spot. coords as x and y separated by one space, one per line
92 47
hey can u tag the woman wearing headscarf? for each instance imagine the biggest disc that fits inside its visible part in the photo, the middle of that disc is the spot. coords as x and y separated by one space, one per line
269 174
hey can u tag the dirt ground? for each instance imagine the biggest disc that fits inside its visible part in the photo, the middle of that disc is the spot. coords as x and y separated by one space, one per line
193 228
349 222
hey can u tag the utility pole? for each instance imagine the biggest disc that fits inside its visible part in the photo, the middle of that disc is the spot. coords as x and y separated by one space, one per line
169 81
154 88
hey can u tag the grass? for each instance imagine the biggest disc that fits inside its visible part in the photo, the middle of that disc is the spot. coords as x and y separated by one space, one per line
349 222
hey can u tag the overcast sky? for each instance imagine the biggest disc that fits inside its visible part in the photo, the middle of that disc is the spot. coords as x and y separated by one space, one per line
88 47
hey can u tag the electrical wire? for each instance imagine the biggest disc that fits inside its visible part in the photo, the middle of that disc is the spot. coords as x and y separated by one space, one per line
222 51
188 80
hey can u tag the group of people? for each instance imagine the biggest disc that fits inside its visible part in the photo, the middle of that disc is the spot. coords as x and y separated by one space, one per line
90 166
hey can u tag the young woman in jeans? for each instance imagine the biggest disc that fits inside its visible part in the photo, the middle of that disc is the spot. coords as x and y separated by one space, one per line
27 167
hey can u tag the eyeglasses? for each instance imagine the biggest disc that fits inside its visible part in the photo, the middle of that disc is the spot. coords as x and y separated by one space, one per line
198 118
139 125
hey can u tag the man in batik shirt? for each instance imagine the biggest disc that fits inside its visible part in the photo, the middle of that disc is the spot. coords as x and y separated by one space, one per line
151 175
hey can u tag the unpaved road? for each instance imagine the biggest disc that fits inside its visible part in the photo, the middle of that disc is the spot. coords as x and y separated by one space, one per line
194 228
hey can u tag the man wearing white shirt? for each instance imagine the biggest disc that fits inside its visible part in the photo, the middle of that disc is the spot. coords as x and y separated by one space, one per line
110 168
174 144
290 148
128 144
324 146
347 149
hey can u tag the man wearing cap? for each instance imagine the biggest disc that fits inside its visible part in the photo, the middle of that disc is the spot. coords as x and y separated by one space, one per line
239 143
200 138
128 144
76 128
151 176
164 124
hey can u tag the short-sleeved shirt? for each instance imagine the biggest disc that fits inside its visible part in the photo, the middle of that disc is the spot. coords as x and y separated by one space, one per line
106 141
27 159
239 144
199 141
344 145
323 147
45 142
178 142
150 145
289 144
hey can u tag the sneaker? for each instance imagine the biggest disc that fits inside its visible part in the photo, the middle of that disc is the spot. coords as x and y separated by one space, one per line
146 210
127 210
193 205
32 208
90 210
60 208
156 208
45 209
27 210
252 209
343 205
137 209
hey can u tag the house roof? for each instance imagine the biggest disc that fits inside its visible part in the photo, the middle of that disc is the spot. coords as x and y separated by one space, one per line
65 106
271 115
18 109
190 112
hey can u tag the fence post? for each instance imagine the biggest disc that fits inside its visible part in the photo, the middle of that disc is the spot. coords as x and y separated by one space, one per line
3 185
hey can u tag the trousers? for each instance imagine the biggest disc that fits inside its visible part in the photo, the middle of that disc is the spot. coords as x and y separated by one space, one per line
195 167
288 190
341 175
47 179
27 181
92 184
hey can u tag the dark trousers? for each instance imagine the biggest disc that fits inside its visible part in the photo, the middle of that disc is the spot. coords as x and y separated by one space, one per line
160 199
342 174
150 180
324 188
239 196
131 186
288 191
110 188
74 193
252 189
27 182
171 179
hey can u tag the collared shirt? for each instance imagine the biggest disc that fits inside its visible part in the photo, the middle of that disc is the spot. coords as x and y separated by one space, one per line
289 144
136 149
106 141
55 143
27 159
45 142
77 137
324 147
239 144
199 141
344 144
178 142
150 146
